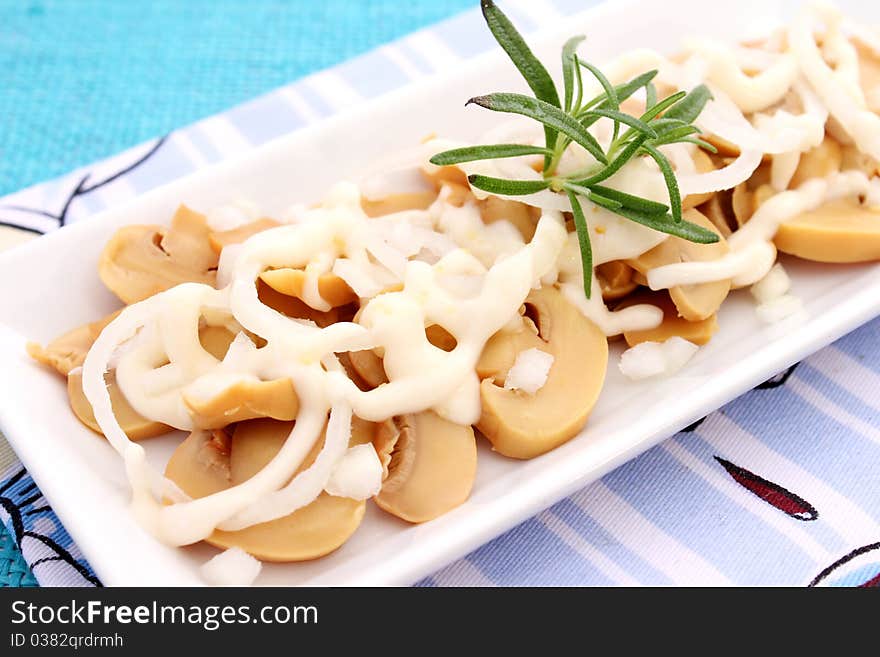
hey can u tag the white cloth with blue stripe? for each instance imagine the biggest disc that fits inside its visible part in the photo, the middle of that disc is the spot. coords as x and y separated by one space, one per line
780 487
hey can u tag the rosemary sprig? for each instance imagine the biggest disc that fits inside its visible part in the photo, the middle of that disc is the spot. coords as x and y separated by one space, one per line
567 120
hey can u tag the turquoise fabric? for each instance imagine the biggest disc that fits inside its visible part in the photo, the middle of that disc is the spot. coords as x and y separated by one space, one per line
84 79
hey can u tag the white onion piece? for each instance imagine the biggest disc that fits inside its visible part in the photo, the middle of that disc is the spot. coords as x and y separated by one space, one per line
728 177
650 359
232 567
774 285
844 100
779 308
529 371
383 184
357 475
232 215
782 169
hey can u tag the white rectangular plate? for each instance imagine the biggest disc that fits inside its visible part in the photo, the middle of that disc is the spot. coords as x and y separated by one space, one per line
51 285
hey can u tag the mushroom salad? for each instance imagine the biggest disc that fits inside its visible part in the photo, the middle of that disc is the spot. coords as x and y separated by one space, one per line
358 348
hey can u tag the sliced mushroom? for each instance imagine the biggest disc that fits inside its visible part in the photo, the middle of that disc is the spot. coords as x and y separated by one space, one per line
743 204
839 231
203 465
290 282
430 464
398 203
854 159
694 302
522 216
615 279
69 351
719 210
222 238
135 426
294 307
703 164
522 425
140 261
248 400
672 325
446 176
818 162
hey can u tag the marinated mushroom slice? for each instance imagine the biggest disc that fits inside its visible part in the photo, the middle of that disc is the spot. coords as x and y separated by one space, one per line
521 425
672 325
446 176
135 426
202 465
398 203
220 239
140 261
429 465
68 351
818 162
294 307
245 400
703 164
522 216
694 302
615 279
719 210
290 282
839 231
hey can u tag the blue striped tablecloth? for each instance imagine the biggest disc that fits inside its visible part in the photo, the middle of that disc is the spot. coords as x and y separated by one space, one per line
780 487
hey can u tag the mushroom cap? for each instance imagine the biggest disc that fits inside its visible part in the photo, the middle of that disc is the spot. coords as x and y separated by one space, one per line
523 217
699 332
839 231
245 400
520 425
703 164
220 239
294 307
398 203
430 465
140 261
135 426
694 302
818 162
69 351
290 282
202 465
615 279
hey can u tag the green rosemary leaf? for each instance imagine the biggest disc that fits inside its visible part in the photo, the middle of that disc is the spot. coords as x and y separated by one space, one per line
623 91
583 233
705 145
669 177
536 76
569 64
604 201
507 187
650 94
675 134
664 223
626 119
616 164
656 109
611 101
629 201
488 152
550 115
689 107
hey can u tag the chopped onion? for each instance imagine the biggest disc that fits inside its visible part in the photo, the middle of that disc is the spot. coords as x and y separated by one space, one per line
232 215
774 285
232 567
529 372
779 308
650 359
357 475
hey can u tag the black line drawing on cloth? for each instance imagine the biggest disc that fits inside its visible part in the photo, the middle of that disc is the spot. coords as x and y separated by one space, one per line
82 188
775 495
778 380
30 541
865 558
